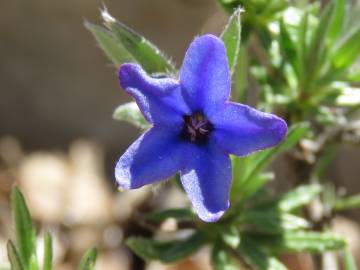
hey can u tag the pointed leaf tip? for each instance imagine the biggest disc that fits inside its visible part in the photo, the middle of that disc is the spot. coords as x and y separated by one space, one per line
24 230
231 37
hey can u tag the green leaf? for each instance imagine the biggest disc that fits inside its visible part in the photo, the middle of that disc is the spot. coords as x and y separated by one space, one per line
259 161
88 260
232 39
33 265
288 47
221 259
351 202
110 45
239 91
180 214
48 253
143 51
131 113
257 258
271 221
14 257
347 50
24 230
337 20
298 197
349 260
169 251
302 47
303 241
318 41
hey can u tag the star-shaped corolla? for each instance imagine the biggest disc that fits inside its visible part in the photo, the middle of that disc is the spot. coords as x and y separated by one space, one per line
194 128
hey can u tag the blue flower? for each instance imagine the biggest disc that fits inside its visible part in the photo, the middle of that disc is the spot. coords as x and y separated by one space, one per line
194 128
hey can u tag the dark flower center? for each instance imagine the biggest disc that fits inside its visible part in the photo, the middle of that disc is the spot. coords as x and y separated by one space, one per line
196 127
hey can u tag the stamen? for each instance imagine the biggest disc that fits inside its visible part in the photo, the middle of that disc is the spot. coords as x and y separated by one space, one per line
196 127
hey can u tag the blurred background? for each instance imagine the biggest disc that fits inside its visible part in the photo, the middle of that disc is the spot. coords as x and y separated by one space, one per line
59 141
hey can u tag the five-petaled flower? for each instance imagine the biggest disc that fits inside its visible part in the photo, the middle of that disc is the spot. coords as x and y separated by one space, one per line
194 128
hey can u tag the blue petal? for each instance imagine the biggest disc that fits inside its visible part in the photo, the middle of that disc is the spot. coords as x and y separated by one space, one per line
155 156
206 179
205 76
159 99
240 129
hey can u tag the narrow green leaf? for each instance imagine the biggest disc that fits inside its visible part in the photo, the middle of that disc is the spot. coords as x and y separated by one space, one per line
349 260
298 197
257 258
271 221
131 113
221 259
302 241
170 251
337 20
347 50
145 53
318 42
351 202
232 39
48 253
110 45
24 230
88 260
302 46
288 48
312 242
14 257
33 265
180 214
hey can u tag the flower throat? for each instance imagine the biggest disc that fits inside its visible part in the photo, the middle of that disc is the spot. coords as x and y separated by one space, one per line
196 127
